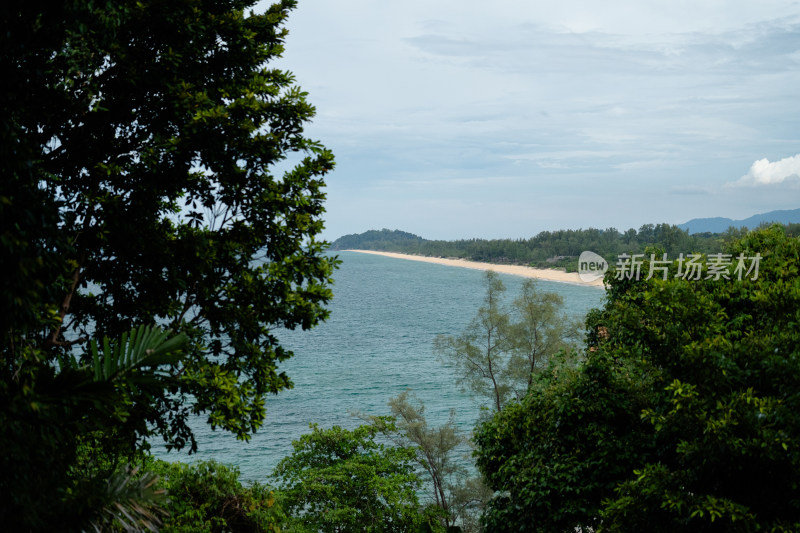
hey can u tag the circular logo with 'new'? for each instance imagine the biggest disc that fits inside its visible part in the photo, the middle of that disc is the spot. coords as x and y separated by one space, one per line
591 267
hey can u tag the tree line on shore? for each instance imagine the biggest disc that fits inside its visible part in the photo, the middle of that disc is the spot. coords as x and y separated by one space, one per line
551 249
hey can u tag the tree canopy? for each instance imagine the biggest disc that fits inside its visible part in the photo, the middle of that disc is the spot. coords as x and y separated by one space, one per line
155 171
684 415
209 496
342 480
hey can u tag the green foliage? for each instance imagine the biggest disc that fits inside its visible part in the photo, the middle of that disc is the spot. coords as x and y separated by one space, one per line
684 415
502 349
345 481
456 497
134 503
727 418
139 141
146 346
209 497
66 427
141 180
553 456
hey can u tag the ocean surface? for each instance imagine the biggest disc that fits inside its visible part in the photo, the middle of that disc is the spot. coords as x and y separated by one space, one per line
377 343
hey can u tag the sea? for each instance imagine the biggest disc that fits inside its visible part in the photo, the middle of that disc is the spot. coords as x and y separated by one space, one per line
377 343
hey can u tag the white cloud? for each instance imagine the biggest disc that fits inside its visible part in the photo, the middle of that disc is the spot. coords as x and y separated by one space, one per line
764 172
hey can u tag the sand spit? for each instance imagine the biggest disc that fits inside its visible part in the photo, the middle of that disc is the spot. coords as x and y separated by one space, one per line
514 270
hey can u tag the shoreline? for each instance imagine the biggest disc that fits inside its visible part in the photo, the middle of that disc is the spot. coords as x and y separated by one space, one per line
515 270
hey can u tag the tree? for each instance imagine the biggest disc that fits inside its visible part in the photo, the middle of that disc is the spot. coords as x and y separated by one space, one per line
338 480
554 456
154 149
539 333
155 171
682 417
501 349
458 496
478 354
208 496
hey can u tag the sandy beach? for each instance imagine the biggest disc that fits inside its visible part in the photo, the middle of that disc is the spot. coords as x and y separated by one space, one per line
514 270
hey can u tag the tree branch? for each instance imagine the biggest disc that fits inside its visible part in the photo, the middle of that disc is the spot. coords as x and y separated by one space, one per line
53 340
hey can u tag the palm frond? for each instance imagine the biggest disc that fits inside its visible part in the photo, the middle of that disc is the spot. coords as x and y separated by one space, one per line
134 504
142 346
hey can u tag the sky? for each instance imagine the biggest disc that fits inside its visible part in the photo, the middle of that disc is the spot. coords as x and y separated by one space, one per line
461 119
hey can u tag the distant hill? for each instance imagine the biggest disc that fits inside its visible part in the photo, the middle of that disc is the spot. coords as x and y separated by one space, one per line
376 240
720 224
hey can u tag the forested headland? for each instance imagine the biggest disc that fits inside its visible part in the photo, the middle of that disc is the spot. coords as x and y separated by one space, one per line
551 249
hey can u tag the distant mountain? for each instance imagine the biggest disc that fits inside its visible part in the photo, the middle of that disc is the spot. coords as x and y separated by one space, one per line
720 224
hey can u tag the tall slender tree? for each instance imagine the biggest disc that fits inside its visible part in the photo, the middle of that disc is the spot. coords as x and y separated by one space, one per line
539 331
502 348
479 353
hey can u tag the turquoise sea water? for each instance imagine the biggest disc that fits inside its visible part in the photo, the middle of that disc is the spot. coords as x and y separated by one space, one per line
376 344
